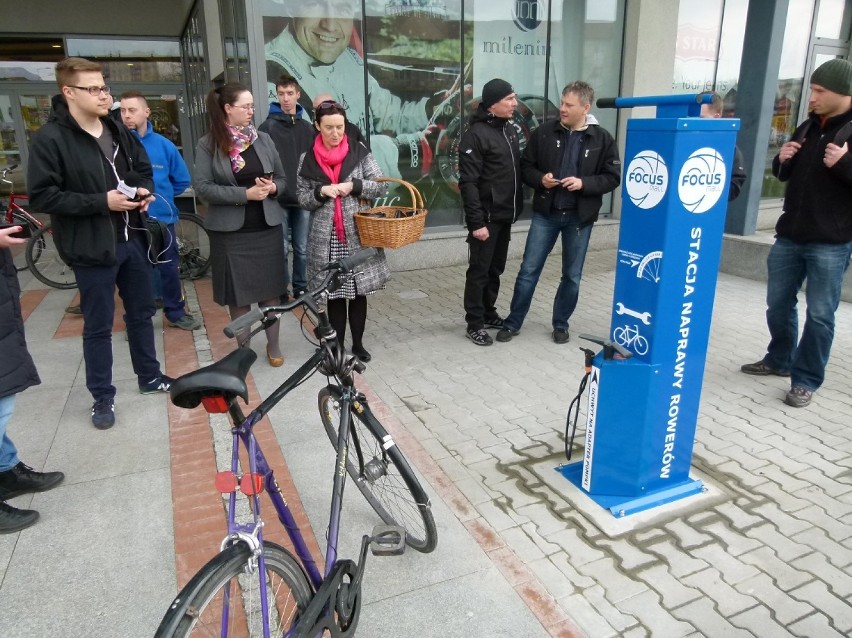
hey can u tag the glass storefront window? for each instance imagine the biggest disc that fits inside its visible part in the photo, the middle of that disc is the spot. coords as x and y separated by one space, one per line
131 60
833 19
9 152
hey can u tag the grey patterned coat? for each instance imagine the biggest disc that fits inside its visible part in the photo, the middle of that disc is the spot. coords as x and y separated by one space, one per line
361 169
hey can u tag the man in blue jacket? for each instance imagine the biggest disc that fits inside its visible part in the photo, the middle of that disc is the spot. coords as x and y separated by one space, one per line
293 134
571 162
95 180
171 178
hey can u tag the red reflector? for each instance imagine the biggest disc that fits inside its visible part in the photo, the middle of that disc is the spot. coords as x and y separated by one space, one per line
215 404
226 482
251 484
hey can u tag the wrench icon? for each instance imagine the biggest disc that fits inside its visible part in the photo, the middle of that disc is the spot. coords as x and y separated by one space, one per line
644 317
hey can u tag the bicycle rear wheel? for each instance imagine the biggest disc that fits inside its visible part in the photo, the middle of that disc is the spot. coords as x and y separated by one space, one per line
19 251
45 263
224 585
193 246
381 472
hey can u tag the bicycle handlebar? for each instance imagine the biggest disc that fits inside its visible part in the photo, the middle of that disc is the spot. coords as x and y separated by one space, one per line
344 266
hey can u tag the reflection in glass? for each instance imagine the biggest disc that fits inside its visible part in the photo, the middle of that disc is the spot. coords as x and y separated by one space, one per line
833 20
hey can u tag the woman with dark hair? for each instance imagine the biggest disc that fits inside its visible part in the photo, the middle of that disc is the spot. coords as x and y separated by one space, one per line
238 174
333 177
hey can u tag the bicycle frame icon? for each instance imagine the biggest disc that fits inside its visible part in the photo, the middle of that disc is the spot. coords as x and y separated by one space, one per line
629 337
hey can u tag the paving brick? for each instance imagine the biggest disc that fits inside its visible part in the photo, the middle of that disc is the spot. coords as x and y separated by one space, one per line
726 599
628 555
687 536
656 620
596 596
710 624
586 616
838 529
838 580
787 524
735 542
838 609
780 571
732 569
759 621
673 591
837 554
576 548
679 563
618 586
816 624
784 608
785 501
786 548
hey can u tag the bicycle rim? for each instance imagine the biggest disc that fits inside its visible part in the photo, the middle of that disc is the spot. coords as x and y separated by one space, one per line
45 263
199 609
382 475
193 246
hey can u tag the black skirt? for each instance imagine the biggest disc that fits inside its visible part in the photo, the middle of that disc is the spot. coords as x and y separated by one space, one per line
247 267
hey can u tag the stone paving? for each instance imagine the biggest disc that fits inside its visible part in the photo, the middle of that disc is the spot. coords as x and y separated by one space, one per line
771 556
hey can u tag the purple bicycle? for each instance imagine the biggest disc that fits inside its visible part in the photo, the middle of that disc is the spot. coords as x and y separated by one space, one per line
254 587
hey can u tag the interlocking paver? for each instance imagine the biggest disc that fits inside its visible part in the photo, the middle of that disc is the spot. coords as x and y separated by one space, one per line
786 549
780 571
725 598
710 623
836 608
785 609
759 621
657 620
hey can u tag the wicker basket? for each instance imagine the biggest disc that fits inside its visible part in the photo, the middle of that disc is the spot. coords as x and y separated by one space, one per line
381 228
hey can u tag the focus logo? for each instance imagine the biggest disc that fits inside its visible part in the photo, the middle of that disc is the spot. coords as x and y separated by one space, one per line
527 14
702 180
647 179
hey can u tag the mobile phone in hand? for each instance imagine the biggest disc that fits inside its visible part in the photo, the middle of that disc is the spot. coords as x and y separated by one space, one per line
269 175
24 233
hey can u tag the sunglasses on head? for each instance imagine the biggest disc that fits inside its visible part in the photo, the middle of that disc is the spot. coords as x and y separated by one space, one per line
328 105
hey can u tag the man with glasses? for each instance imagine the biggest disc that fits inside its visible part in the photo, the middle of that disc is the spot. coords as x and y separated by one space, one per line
94 179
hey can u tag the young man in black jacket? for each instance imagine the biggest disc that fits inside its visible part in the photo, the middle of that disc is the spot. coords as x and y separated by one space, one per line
79 161
572 163
490 185
17 373
813 237
293 134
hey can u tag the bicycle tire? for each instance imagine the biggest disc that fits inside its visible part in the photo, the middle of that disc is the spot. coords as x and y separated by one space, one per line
19 255
197 609
193 246
393 491
45 263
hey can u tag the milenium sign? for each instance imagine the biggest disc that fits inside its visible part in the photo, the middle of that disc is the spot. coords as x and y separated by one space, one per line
527 14
647 179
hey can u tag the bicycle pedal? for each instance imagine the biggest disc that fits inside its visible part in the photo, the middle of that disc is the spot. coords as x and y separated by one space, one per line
387 540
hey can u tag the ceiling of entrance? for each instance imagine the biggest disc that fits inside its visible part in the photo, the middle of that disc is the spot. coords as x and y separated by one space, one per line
95 17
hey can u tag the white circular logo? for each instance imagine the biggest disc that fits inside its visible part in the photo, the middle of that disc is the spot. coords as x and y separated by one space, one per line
702 180
647 179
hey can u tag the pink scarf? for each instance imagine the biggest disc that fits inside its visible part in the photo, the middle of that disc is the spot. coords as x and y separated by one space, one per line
330 161
241 139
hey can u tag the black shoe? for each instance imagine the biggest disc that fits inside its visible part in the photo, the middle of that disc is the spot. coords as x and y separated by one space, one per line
161 383
560 335
479 337
760 369
495 322
798 397
506 334
74 310
103 414
22 479
362 354
14 520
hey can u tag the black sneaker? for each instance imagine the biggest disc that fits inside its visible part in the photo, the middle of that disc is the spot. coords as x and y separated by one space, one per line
103 414
479 337
506 334
22 479
161 383
560 335
798 397
14 520
495 322
760 369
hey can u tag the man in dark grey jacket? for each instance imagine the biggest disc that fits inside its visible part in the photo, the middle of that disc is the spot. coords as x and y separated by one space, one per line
571 162
17 373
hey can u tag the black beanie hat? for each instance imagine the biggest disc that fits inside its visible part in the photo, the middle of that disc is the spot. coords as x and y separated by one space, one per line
494 91
834 75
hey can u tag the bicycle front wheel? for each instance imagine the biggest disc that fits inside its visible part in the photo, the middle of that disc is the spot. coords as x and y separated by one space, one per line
19 251
381 472
45 263
228 589
193 246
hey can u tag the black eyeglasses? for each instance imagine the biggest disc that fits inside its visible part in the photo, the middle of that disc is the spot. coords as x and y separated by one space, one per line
93 90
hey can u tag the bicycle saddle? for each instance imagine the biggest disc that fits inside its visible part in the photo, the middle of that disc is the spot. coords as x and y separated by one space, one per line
226 377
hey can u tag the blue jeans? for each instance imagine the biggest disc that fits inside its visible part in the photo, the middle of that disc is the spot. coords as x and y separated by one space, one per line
298 221
166 280
132 275
541 239
789 264
8 451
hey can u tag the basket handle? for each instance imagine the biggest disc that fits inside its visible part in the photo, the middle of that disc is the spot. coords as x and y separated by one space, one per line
416 197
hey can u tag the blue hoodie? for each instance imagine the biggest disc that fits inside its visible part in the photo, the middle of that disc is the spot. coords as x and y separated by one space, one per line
171 177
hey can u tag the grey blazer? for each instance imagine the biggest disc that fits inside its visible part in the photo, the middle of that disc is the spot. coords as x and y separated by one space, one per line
216 186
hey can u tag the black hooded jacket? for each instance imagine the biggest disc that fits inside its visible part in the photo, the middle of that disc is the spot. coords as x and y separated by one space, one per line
818 200
68 177
489 171
17 370
293 135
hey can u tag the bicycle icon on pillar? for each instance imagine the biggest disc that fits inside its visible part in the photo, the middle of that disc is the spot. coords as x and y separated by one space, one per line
629 337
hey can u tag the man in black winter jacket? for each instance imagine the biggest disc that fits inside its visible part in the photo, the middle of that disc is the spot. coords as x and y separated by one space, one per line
84 170
572 163
293 134
813 237
490 185
17 373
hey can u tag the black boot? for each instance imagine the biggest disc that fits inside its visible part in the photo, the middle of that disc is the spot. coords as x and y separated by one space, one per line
22 479
14 520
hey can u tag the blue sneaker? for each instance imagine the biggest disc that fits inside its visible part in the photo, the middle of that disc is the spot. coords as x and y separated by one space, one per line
161 383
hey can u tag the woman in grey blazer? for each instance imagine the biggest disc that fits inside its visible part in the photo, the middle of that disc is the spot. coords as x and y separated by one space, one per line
238 174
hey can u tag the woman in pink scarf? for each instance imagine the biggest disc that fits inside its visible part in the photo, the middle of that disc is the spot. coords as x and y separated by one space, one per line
333 179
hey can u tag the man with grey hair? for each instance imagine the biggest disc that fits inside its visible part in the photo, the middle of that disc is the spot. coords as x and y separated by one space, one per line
571 162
